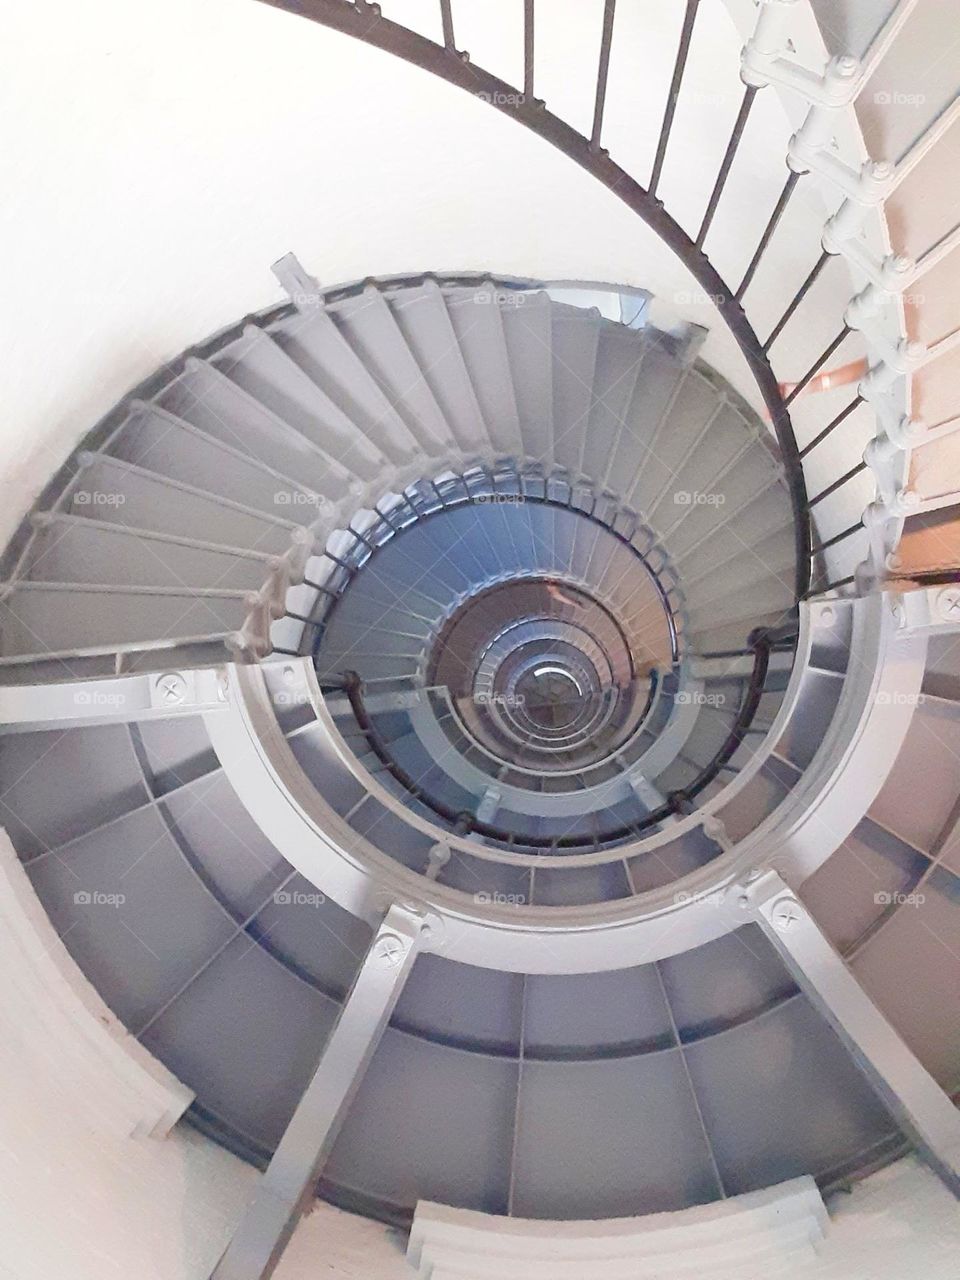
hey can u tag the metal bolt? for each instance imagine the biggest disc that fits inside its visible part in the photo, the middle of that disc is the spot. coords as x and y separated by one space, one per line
880 170
172 688
786 915
390 949
948 603
827 616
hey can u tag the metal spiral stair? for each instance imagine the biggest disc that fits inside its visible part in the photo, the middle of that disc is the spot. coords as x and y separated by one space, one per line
313 500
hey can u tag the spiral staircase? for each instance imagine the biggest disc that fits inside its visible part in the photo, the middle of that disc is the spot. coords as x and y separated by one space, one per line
446 734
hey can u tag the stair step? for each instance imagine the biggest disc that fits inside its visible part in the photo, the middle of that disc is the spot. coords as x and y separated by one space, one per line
75 549
167 445
211 401
112 490
478 324
528 330
576 339
426 325
369 325
45 618
315 343
259 364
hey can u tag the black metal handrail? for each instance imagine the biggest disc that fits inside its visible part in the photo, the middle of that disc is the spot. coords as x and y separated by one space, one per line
365 22
761 645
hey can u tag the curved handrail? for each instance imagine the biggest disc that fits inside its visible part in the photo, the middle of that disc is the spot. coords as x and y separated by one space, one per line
463 822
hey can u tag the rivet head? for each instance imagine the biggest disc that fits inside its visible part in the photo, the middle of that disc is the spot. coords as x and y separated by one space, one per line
171 688
786 915
390 949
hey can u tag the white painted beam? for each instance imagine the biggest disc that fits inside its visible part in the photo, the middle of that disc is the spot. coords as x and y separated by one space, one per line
74 704
914 1098
287 1187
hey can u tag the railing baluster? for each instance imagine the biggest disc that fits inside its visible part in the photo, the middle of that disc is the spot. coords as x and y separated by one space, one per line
818 364
832 488
446 17
683 49
837 537
528 49
738 127
775 217
603 71
855 403
798 298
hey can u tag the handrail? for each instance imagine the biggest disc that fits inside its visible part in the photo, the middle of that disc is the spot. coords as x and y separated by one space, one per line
761 644
765 62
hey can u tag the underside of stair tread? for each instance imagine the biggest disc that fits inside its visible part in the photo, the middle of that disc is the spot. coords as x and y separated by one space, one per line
258 364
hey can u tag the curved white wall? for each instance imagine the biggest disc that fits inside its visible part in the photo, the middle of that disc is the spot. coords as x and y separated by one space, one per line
159 156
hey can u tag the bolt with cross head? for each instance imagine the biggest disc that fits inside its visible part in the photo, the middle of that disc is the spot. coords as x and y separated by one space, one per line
786 915
172 688
948 603
390 948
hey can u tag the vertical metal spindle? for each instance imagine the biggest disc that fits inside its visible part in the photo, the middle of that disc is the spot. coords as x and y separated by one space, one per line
775 217
798 298
738 127
855 403
818 364
528 49
603 71
683 49
446 17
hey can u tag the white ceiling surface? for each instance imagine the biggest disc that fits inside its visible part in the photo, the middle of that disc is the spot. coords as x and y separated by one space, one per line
161 155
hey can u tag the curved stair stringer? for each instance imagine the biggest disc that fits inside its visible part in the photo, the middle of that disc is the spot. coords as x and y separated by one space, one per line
802 832
776 1230
873 714
276 623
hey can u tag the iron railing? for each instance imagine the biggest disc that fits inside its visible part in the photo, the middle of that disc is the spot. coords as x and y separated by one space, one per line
765 62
